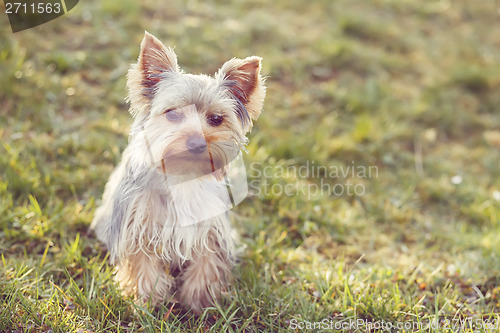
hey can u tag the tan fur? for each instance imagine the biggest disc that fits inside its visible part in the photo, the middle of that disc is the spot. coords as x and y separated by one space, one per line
206 275
146 277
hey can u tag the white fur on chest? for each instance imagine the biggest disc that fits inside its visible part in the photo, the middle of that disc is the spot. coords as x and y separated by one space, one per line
171 217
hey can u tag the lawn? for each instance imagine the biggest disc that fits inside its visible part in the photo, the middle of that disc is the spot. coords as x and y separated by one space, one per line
373 171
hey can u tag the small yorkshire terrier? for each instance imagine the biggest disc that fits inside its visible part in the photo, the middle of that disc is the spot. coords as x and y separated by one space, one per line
163 213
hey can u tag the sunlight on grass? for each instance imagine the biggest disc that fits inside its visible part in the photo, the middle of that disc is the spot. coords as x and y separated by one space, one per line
406 87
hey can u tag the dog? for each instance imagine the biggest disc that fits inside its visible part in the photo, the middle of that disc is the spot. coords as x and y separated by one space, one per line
163 214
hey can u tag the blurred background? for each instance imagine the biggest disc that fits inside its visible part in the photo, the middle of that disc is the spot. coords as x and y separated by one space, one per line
407 87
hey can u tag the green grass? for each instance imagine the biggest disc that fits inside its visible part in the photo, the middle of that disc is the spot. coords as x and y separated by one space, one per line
408 87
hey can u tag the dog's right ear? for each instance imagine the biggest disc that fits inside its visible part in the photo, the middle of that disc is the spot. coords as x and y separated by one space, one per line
154 60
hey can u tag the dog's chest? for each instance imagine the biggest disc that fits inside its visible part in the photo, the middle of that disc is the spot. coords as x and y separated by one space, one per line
181 203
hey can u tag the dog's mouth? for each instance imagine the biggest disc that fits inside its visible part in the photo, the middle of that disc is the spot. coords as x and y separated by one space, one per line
187 164
199 162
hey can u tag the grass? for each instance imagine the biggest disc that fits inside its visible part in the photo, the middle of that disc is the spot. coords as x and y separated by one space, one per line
406 87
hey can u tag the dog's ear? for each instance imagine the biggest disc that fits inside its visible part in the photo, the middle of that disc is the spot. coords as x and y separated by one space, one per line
154 60
243 79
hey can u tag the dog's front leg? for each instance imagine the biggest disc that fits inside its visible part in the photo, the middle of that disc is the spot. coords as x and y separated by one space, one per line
205 277
146 277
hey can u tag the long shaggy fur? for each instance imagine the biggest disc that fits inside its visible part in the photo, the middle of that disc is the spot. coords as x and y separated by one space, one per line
162 215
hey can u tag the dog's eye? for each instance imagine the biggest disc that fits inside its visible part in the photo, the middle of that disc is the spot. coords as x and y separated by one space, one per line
173 115
215 120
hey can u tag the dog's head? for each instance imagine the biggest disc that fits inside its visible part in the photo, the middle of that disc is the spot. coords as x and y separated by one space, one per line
191 123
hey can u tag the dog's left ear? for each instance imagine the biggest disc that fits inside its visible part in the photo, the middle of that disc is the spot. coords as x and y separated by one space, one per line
243 79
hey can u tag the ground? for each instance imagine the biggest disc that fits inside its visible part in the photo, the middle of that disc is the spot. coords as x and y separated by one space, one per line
383 113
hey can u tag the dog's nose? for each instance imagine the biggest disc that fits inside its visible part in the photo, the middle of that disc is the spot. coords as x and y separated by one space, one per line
196 144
